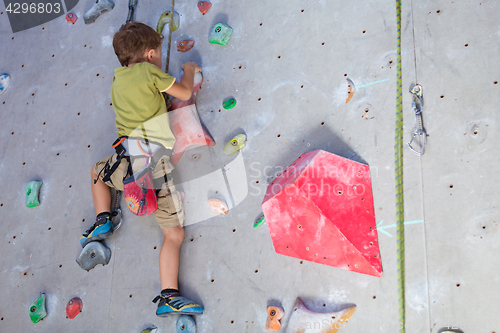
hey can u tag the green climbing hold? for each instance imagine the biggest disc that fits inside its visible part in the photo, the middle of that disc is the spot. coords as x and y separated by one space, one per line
37 309
32 193
220 34
165 18
229 104
237 143
260 221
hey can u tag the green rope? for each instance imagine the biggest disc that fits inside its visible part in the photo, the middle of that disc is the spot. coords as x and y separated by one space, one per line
170 29
398 147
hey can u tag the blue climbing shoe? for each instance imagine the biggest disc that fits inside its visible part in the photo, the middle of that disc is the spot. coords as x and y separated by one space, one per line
176 304
102 228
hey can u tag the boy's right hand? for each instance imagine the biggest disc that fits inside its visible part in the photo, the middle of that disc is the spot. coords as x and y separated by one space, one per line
196 68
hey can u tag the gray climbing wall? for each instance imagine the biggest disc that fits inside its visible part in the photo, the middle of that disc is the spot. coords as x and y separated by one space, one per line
286 64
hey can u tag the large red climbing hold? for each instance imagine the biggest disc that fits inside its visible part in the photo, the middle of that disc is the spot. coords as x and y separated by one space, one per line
321 209
74 307
204 6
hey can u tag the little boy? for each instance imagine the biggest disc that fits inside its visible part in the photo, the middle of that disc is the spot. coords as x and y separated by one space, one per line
136 94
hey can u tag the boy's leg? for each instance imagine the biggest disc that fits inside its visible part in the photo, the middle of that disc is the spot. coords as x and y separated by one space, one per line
101 195
169 257
170 216
171 301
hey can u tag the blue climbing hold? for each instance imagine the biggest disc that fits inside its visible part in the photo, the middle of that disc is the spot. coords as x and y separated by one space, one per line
186 324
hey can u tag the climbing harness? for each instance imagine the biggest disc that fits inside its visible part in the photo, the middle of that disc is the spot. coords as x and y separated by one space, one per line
418 103
398 168
139 188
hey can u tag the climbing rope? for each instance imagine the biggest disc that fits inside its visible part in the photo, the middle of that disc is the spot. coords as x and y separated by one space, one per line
398 149
170 29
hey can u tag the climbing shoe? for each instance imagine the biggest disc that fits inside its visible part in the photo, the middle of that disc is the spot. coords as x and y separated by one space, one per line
176 304
102 228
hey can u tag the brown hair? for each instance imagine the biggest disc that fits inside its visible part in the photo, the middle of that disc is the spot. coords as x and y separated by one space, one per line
132 40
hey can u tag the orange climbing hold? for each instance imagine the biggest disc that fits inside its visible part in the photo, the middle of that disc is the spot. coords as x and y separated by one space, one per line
185 45
275 314
350 90
218 206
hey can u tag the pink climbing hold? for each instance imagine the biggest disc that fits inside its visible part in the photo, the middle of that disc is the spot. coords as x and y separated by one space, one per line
321 209
204 6
71 18
74 307
185 123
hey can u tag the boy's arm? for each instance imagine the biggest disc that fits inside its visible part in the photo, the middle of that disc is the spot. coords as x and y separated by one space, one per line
184 89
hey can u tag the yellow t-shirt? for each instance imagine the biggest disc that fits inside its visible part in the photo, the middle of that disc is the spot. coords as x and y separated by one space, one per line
139 105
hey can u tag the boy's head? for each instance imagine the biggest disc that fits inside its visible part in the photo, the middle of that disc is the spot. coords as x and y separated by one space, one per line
133 41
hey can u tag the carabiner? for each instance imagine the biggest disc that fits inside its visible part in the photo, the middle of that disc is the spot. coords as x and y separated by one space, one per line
418 104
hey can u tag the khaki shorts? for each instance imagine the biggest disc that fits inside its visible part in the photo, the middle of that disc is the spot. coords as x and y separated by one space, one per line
170 212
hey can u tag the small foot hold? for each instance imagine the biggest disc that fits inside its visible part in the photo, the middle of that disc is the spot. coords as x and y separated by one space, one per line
99 8
32 193
237 143
229 104
37 309
185 45
260 221
350 90
220 34
165 18
302 316
4 82
218 206
94 253
74 307
71 18
152 329
185 324
275 313
204 6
